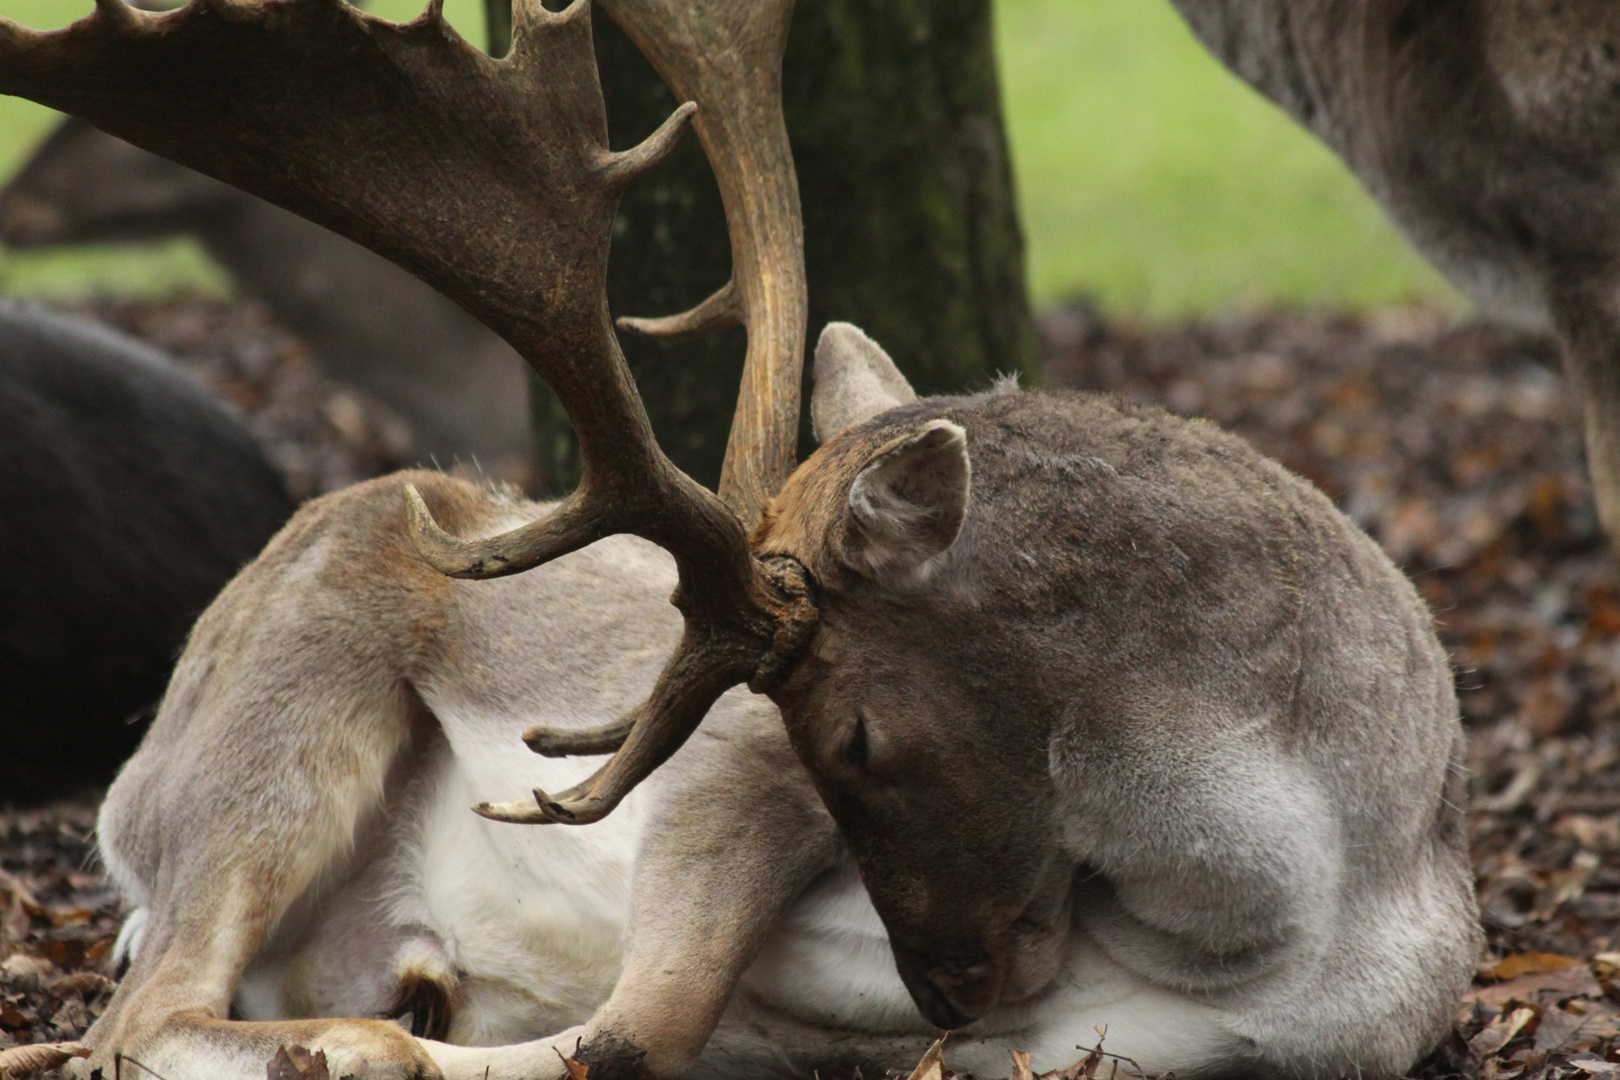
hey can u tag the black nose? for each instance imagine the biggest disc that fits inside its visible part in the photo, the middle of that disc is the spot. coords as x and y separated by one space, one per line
948 996
936 1005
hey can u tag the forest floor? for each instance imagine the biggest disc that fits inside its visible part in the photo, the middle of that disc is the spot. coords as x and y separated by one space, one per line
1457 447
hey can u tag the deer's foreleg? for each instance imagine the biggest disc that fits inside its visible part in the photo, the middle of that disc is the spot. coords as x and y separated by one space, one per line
736 834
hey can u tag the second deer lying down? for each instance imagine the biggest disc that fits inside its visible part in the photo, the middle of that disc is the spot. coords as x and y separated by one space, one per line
1089 716
1120 724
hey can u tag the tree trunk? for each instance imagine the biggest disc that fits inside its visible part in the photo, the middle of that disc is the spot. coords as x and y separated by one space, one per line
911 232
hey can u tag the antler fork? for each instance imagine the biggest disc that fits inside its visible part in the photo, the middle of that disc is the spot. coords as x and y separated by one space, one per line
492 181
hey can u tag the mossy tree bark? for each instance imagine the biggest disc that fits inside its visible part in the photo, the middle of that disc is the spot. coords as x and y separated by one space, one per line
911 233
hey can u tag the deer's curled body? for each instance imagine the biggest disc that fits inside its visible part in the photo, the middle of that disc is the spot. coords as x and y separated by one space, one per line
1239 828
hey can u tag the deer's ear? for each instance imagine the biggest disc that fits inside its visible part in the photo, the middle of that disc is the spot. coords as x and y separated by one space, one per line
854 381
908 501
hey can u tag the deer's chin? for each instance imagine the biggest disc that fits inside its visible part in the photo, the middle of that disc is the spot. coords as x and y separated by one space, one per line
939 1005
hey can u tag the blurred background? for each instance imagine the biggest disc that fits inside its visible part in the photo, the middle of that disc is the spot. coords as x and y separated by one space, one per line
1148 178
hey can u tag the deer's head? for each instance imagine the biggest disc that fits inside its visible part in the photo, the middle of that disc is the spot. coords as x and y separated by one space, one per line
927 754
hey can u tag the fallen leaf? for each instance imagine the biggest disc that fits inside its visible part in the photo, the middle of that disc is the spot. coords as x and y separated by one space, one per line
1529 963
86 983
72 916
1558 1029
22 965
577 1070
1499 1032
1499 1069
1566 885
17 893
21 1061
1084 1069
932 1065
98 950
1571 982
1021 1069
1594 1065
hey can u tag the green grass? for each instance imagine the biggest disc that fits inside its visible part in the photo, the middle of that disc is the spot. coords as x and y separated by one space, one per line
1154 180
1147 177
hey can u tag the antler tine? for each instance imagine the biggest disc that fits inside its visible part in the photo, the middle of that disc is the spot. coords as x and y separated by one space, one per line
693 679
657 728
721 310
727 57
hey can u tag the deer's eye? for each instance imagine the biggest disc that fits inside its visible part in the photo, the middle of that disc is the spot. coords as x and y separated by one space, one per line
855 747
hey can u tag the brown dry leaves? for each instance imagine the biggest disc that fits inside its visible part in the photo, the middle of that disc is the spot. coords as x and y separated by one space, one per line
57 925
1095 1062
21 1061
297 1063
321 434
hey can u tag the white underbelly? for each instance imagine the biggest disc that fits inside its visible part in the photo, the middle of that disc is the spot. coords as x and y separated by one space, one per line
532 916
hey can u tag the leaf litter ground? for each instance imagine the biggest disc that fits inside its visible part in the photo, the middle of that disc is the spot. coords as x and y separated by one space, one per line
1457 447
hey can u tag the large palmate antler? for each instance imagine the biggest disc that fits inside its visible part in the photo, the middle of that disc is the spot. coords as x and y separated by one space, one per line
492 181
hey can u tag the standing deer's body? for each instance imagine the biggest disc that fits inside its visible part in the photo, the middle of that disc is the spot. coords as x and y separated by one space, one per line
1490 133
1090 717
1199 717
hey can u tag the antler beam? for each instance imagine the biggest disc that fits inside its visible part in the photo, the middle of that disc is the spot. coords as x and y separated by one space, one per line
727 57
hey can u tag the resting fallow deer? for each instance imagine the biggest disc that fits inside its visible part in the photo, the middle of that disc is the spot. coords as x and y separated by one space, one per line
1489 130
1066 713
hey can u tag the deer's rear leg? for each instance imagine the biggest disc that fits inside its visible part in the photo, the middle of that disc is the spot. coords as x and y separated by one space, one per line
175 1022
242 854
288 732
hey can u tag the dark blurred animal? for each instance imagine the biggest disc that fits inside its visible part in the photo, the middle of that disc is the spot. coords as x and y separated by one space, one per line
1490 132
369 323
128 497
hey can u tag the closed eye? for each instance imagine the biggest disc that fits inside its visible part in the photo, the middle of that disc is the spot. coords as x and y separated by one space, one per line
855 748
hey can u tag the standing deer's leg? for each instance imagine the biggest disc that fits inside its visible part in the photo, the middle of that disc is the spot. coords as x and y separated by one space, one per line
1586 313
737 834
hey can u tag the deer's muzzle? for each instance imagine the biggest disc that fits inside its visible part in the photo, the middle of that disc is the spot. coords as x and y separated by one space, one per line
950 994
